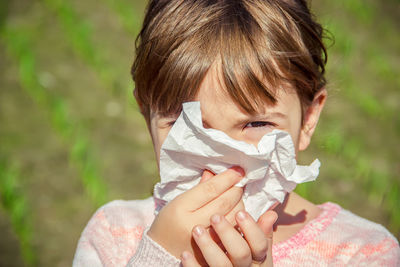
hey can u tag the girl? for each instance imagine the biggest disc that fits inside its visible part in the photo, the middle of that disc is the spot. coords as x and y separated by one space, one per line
255 66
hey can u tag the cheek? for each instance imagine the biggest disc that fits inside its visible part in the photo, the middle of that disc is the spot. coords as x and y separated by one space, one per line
294 125
155 137
296 142
158 136
289 104
294 132
156 147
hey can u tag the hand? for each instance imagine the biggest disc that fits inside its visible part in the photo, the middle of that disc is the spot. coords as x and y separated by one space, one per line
254 248
173 226
254 236
207 175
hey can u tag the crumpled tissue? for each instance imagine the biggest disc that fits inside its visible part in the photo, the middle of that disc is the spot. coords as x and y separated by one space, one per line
271 169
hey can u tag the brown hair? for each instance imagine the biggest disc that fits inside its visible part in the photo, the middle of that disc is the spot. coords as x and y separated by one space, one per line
261 45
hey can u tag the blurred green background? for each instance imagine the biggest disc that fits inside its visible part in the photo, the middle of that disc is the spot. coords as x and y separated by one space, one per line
71 136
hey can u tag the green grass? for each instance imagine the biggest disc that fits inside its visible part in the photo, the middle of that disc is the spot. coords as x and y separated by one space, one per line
18 45
126 14
16 205
78 32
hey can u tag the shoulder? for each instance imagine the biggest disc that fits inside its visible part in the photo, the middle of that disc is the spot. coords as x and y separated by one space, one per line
125 213
355 227
351 227
351 239
339 237
366 241
120 215
114 231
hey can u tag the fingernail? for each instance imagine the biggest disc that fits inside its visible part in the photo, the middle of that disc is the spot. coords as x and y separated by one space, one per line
239 170
215 219
241 216
186 255
198 231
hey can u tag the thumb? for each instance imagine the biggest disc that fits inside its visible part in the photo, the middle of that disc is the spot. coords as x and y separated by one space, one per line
266 222
207 175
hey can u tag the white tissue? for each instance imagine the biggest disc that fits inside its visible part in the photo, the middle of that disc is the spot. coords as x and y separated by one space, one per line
271 168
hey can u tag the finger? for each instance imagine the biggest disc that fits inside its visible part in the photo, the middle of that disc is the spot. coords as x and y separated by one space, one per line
230 216
221 205
205 192
215 237
274 205
188 260
212 253
266 222
254 235
207 175
269 261
237 248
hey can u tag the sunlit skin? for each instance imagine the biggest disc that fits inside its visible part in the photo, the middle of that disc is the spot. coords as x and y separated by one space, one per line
221 113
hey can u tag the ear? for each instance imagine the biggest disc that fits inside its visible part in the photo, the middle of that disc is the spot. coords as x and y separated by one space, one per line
311 118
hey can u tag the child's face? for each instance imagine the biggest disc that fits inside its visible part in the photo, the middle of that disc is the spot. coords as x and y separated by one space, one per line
221 113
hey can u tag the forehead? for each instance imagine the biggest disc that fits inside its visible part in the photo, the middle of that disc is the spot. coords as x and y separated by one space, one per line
215 99
223 84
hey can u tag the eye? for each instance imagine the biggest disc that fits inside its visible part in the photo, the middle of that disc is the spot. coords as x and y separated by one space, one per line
258 124
168 120
171 123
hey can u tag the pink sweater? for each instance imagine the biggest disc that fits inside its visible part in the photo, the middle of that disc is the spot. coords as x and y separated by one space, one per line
116 236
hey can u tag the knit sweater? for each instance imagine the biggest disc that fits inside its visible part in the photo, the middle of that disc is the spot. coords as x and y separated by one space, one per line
116 235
